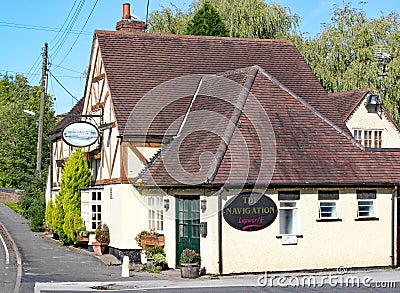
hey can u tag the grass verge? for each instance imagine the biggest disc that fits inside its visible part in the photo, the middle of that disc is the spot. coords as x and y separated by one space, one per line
15 207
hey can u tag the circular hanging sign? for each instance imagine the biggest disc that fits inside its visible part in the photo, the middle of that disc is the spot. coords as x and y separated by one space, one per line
80 134
250 211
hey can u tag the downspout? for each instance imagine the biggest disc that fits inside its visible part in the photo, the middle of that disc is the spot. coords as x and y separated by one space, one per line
220 260
394 193
51 172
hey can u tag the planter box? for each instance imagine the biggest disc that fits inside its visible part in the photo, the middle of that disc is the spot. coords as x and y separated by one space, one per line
82 238
152 240
189 270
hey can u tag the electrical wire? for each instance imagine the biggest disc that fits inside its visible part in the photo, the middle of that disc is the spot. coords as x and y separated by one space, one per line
55 78
8 100
77 37
39 28
70 25
65 21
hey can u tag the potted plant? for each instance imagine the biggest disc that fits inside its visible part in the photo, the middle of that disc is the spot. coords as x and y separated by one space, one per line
83 235
190 263
102 235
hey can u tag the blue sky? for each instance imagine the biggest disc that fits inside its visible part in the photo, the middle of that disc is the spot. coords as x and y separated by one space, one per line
25 25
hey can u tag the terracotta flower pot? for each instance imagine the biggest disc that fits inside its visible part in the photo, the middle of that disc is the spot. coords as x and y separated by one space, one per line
99 248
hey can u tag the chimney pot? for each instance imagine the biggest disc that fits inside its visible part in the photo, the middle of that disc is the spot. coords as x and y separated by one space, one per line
127 24
126 11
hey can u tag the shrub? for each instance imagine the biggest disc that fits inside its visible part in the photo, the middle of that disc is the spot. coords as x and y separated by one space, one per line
102 234
49 214
159 259
67 219
156 250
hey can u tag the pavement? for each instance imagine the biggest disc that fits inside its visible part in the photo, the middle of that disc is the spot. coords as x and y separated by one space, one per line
46 266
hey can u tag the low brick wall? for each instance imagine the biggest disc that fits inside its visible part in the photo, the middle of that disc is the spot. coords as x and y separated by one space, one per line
9 195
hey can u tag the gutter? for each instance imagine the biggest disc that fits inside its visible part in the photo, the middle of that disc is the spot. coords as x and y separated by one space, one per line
216 186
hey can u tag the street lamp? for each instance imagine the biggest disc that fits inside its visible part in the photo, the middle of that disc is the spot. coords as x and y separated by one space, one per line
29 112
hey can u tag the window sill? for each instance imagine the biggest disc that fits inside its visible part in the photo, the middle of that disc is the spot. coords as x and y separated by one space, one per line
281 235
367 219
329 220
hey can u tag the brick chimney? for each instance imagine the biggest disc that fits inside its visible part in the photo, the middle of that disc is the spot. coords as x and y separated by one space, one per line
128 24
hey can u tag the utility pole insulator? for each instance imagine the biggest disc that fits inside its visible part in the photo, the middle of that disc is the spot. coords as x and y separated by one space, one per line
42 109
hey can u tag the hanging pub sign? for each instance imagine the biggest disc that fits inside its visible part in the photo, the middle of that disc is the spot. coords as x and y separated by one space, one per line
80 134
250 211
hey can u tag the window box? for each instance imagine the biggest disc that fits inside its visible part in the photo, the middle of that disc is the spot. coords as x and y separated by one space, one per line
152 240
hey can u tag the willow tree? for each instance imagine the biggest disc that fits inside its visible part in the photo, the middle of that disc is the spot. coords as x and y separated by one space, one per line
247 19
343 55
169 20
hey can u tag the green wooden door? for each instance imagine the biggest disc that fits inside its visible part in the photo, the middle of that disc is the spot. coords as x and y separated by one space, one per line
187 225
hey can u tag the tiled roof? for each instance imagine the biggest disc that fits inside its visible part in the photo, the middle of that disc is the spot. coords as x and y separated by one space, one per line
136 63
71 116
346 102
302 147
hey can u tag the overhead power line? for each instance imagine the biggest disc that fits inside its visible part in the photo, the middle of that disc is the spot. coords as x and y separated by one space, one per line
55 78
60 43
40 28
77 37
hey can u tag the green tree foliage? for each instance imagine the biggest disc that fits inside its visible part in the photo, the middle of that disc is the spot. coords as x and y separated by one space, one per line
257 19
32 201
342 55
67 219
170 20
18 144
247 19
206 22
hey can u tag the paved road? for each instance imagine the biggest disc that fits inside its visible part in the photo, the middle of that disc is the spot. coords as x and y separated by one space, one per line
8 269
44 260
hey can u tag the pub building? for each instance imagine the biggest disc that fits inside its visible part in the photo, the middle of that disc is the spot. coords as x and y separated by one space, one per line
231 147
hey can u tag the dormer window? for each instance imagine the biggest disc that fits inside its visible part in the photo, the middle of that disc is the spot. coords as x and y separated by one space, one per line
372 103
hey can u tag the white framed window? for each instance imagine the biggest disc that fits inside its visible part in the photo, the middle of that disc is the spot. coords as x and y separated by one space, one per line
368 138
365 203
288 218
156 212
327 204
96 207
358 136
327 210
365 208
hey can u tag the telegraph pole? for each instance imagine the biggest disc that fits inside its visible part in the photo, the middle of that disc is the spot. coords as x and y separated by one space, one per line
42 109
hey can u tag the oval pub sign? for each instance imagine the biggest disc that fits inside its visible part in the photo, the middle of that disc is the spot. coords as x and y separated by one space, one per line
250 211
80 134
